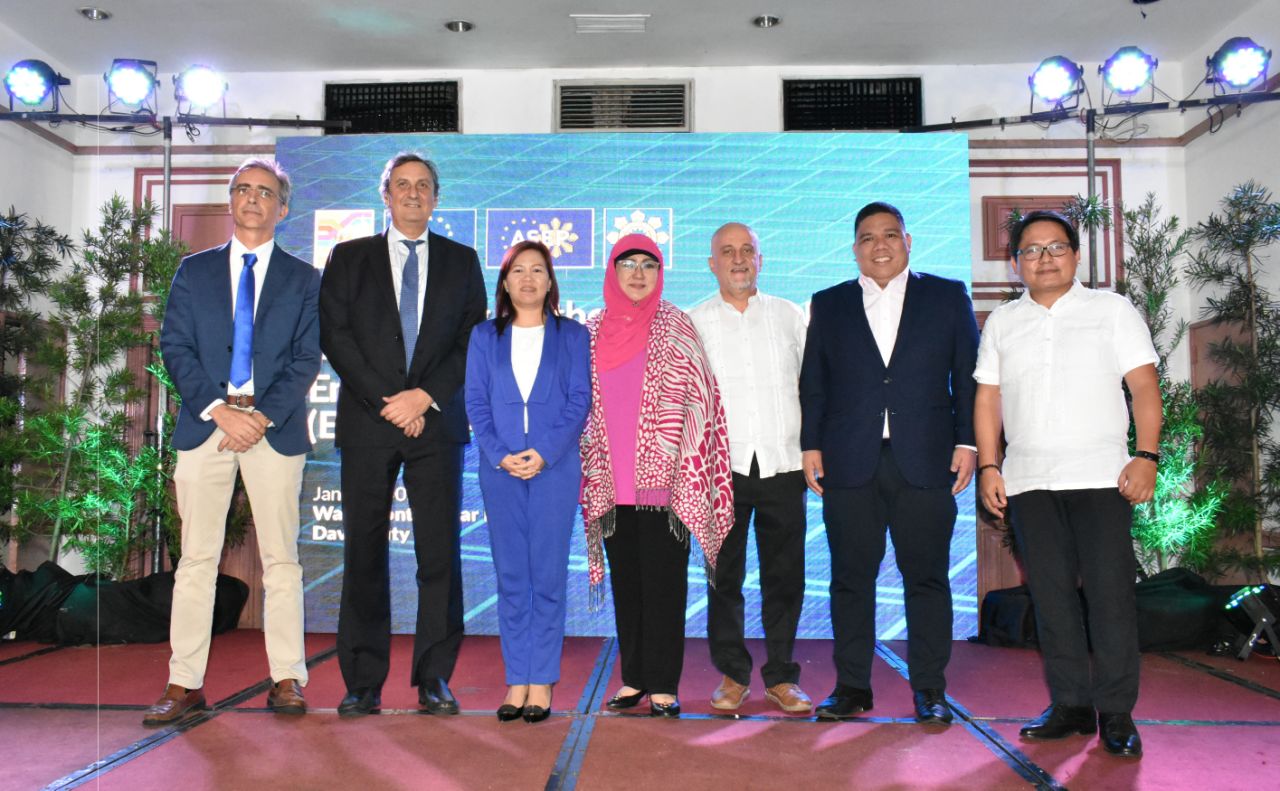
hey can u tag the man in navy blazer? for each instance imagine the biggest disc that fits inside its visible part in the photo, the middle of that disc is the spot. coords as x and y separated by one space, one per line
886 396
241 341
396 312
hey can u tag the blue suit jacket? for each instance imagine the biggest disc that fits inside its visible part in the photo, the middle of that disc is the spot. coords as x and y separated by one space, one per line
196 343
927 387
558 403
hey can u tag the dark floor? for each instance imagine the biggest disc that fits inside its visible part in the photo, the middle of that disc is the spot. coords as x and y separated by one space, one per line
70 717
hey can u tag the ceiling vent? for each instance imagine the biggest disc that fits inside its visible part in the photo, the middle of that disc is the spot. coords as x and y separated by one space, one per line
649 106
609 23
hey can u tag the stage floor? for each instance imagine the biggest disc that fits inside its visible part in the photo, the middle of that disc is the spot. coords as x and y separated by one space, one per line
70 717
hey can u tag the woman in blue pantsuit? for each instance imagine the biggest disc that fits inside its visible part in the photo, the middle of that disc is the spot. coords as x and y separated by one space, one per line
528 391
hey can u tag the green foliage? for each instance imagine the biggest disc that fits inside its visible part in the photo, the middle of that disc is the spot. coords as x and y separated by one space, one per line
1240 407
30 253
1179 525
81 483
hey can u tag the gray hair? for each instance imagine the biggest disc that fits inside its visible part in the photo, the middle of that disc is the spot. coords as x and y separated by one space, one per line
402 158
272 167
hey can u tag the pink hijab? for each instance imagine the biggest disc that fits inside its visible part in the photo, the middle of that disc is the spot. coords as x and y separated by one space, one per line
624 330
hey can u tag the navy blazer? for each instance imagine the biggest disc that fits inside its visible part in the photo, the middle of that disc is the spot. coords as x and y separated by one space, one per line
361 335
927 387
558 403
196 337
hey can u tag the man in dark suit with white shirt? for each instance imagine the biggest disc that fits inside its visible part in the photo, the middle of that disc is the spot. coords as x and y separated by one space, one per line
396 312
887 432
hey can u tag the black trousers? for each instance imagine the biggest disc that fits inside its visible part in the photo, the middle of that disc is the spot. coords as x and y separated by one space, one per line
779 508
649 574
1069 539
433 480
920 522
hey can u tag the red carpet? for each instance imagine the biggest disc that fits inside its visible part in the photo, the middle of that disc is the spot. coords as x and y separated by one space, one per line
1200 731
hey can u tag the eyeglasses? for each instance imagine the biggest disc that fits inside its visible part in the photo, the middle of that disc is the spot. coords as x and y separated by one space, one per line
1032 252
644 265
243 191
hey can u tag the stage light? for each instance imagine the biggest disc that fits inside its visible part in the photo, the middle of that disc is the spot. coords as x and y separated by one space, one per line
1128 71
1055 80
1238 63
1253 610
32 83
199 86
131 83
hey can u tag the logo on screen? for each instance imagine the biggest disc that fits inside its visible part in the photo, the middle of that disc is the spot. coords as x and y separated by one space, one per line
338 225
456 224
653 223
568 233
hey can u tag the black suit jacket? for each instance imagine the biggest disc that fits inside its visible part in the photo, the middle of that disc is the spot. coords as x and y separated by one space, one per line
927 387
360 334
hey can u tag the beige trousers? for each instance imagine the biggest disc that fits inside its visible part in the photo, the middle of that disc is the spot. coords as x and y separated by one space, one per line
205 480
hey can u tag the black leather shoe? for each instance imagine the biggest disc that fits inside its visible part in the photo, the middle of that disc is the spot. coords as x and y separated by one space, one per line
931 707
507 712
671 709
1059 721
360 702
1119 735
435 697
536 713
844 702
621 701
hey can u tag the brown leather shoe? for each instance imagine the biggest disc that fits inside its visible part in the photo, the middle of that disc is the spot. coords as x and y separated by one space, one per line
285 697
176 703
729 695
790 698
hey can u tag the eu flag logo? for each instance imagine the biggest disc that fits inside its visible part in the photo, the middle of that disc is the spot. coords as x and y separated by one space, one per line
568 233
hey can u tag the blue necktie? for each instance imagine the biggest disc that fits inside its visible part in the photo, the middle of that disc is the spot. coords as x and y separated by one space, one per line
242 345
409 300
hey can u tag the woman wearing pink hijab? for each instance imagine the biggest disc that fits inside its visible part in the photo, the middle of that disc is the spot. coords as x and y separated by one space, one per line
655 457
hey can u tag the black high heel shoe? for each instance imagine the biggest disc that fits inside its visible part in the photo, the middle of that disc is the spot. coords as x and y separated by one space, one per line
621 701
507 712
534 714
671 709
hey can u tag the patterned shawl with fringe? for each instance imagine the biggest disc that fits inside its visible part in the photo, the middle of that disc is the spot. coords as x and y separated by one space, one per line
682 446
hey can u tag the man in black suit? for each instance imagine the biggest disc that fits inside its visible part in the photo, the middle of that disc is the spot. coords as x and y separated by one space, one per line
886 397
396 312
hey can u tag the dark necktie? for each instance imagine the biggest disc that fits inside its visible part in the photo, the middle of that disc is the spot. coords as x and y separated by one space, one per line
242 344
409 300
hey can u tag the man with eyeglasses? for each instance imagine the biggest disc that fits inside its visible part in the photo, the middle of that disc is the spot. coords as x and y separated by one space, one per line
241 341
396 312
1049 372
886 397
755 343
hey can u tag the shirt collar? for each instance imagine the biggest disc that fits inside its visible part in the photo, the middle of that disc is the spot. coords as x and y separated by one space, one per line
897 286
393 233
754 299
262 251
1076 292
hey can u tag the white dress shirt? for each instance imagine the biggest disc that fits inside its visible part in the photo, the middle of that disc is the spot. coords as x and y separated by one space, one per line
755 356
238 250
884 314
526 355
1059 371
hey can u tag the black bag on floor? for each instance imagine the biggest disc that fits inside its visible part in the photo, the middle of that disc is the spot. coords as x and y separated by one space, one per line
1178 610
1007 619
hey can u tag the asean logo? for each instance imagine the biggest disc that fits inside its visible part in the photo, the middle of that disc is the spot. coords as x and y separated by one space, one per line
567 233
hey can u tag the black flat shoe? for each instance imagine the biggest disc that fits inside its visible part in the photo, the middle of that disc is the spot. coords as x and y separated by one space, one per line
843 703
507 712
1119 735
358 704
621 701
536 714
1059 721
671 709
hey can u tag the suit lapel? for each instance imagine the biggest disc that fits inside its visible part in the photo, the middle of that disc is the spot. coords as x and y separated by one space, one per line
507 387
380 268
861 325
220 291
272 284
547 362
909 320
